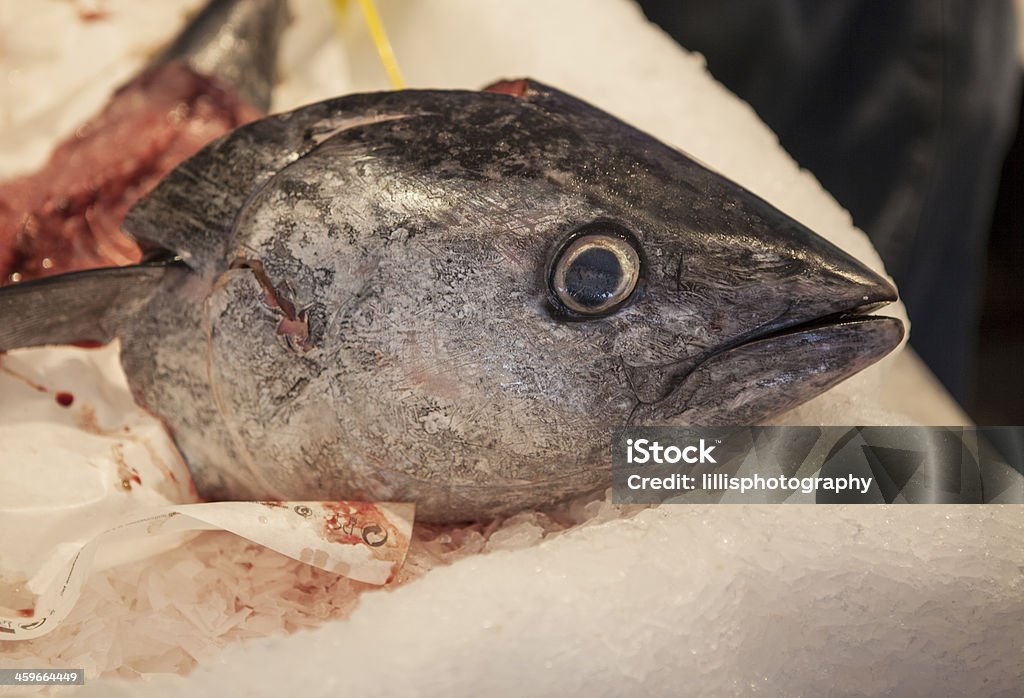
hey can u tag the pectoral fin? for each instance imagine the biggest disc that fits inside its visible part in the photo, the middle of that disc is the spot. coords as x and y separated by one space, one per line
84 306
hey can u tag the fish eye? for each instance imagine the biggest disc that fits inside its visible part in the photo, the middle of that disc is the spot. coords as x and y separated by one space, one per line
595 271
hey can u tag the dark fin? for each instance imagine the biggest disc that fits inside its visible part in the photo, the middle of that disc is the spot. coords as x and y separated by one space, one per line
193 209
83 306
236 41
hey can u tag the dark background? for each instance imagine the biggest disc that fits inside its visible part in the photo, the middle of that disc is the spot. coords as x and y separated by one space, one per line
909 113
999 373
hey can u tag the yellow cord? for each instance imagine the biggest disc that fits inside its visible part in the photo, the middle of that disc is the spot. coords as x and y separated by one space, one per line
380 39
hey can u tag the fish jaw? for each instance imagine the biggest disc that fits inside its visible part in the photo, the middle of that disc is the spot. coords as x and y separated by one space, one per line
795 327
816 333
758 379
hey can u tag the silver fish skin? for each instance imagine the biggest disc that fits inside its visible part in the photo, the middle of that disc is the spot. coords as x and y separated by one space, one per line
453 297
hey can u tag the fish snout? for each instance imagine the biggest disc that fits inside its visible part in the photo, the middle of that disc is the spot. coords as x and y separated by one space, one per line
849 284
784 317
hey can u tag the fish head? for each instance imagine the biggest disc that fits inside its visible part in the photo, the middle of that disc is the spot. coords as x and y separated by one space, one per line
453 297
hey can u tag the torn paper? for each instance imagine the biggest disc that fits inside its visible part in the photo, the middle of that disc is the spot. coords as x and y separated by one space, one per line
89 480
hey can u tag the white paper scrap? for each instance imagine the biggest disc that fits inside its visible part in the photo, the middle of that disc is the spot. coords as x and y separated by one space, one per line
89 480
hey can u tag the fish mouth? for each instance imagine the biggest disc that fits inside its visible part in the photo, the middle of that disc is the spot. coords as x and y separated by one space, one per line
772 330
845 317
774 368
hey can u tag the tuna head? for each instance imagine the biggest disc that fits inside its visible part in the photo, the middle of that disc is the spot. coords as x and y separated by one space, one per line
453 297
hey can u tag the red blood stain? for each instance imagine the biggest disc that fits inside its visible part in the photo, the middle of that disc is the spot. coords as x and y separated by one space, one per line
127 474
345 524
92 15
338 530
64 399
516 88
87 344
26 612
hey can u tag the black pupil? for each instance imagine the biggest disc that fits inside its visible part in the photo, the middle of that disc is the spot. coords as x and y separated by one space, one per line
594 277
